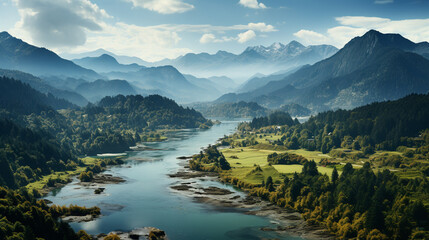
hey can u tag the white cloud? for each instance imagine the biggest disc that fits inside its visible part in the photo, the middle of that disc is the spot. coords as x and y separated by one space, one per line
76 26
340 35
416 30
163 6
241 38
246 36
252 4
383 1
57 23
145 42
360 21
211 38
311 37
261 27
206 28
207 38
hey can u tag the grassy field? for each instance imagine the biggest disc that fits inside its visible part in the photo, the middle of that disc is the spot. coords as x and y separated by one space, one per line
244 160
247 159
65 175
291 169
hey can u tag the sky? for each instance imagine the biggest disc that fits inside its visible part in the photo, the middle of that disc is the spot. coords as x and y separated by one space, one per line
158 29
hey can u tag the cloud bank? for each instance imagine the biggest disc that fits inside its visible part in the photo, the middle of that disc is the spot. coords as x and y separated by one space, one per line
246 36
416 30
163 6
252 4
383 1
58 23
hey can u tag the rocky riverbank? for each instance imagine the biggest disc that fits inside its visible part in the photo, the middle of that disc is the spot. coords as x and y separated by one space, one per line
287 220
140 233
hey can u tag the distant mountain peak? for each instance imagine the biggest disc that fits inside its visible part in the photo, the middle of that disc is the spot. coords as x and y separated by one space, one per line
107 57
278 50
276 46
4 35
19 55
295 43
373 32
375 39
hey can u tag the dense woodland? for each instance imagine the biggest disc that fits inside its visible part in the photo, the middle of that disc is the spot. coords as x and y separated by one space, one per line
295 109
112 125
384 126
359 203
233 110
116 123
210 155
24 217
20 98
26 155
276 118
37 139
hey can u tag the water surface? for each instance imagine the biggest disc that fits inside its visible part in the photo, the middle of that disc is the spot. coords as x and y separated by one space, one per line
145 199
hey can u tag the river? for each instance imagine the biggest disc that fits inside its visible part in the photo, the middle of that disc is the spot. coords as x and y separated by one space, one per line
146 200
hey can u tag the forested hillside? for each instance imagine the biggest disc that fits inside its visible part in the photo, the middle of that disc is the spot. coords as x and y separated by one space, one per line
384 125
26 155
361 173
24 217
153 112
232 110
20 98
371 68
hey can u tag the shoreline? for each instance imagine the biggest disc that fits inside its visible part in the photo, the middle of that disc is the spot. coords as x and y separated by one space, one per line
288 221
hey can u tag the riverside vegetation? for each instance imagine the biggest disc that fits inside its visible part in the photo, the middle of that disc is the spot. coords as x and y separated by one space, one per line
40 143
361 173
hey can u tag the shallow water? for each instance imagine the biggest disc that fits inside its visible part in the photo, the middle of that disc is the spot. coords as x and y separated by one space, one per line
146 199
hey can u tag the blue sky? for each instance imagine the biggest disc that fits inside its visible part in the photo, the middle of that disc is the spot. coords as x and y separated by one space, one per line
157 29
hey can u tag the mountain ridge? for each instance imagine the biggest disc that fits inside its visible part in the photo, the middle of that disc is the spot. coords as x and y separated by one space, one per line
19 55
106 63
346 79
254 59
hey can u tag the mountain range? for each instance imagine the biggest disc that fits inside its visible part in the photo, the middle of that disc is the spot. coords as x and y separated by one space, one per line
373 67
20 98
165 80
16 54
120 58
169 81
106 63
257 59
92 78
44 86
260 80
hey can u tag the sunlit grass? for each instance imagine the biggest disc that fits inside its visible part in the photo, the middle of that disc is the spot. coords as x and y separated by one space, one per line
64 175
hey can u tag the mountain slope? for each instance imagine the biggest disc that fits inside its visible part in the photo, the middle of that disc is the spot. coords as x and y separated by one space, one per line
166 79
94 91
29 155
106 63
45 87
152 111
392 74
209 86
19 55
370 68
20 98
257 82
231 110
258 59
121 58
